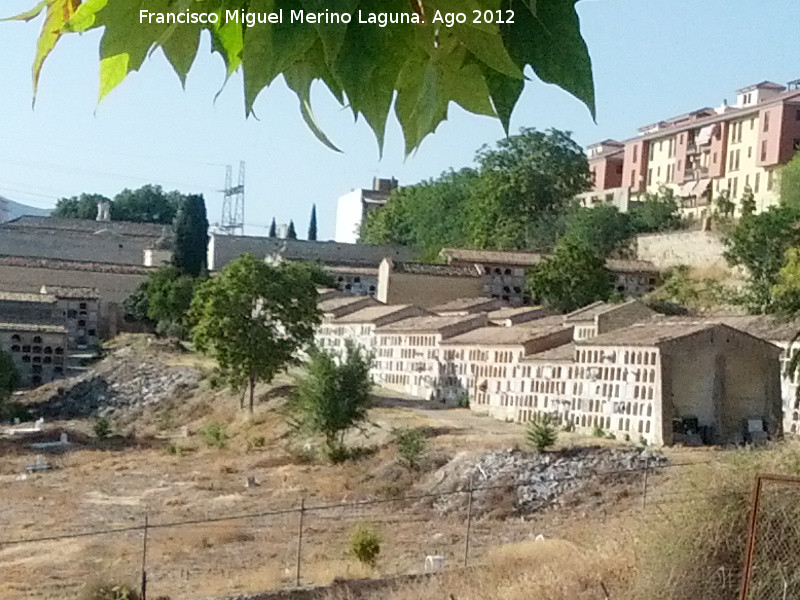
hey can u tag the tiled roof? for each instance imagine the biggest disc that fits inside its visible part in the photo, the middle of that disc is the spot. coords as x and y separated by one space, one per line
590 311
732 113
559 353
658 332
86 226
616 265
525 259
761 326
73 265
528 259
509 312
425 324
332 304
468 304
415 268
354 270
63 291
28 297
371 314
32 327
502 336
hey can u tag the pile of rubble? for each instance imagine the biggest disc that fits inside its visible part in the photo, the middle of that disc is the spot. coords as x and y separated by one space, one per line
126 380
533 481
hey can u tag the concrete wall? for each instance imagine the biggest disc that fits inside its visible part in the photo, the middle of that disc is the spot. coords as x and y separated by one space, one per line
426 291
694 248
113 287
74 245
224 248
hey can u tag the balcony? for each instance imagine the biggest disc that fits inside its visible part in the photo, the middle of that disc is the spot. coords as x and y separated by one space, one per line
695 174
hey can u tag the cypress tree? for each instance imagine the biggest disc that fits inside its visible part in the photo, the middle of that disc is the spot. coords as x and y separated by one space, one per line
273 229
291 234
191 236
312 225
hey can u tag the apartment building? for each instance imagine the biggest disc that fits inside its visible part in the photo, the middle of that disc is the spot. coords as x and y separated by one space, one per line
705 152
409 356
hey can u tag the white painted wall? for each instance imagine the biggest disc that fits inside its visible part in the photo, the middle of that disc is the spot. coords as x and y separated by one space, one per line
349 213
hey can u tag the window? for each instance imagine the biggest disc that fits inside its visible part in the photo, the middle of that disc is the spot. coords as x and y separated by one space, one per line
766 121
37 339
82 306
752 123
636 148
15 338
714 158
770 180
650 148
680 163
650 177
735 186
633 177
758 180
764 151
660 145
749 152
797 115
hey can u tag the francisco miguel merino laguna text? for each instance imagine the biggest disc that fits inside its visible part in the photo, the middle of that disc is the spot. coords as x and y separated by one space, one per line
251 19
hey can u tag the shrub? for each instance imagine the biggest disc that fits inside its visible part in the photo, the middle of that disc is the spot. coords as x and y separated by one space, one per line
174 449
365 545
598 432
541 433
102 429
215 435
411 446
111 591
256 443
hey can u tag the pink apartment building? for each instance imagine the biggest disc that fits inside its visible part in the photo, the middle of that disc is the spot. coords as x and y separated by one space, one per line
703 153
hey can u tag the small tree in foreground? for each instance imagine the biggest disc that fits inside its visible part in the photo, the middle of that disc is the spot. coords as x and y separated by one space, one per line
253 319
332 397
541 433
365 545
411 446
9 380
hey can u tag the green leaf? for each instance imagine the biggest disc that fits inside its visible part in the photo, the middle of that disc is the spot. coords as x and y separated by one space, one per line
112 71
504 92
31 14
180 44
85 17
270 49
547 36
227 39
332 35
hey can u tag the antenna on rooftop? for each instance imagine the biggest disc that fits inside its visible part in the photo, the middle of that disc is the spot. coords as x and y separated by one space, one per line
232 222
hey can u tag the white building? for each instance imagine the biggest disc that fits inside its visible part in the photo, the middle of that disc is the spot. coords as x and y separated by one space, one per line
352 208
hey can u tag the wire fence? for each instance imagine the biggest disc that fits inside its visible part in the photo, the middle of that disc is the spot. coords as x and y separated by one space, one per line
310 543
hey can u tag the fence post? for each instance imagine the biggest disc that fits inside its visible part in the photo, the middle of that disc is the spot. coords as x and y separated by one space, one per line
469 522
144 560
644 485
300 542
751 538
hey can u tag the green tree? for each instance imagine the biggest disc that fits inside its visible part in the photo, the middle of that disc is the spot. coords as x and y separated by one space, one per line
312 224
411 445
790 183
541 433
527 180
332 397
601 228
656 212
9 376
273 229
419 69
572 277
191 236
253 319
291 234
759 244
148 204
78 207
169 295
723 205
135 305
429 215
748 202
786 291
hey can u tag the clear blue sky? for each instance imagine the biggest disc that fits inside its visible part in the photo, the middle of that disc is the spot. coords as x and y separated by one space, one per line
651 60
